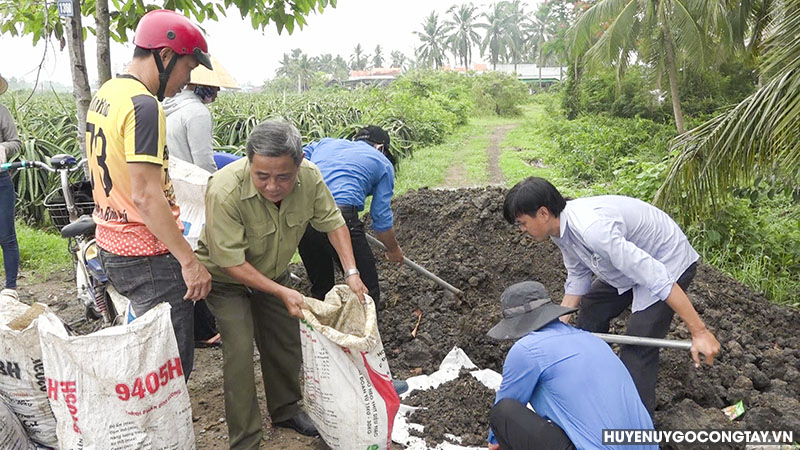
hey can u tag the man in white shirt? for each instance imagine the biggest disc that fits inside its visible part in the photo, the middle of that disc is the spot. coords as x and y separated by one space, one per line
639 258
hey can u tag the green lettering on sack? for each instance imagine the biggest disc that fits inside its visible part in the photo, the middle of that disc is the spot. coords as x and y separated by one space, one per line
304 322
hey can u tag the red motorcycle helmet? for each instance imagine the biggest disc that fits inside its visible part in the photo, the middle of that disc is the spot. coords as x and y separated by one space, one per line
164 28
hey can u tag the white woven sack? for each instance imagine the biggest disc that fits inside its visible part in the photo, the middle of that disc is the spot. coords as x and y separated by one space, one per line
189 182
22 377
12 435
348 390
121 388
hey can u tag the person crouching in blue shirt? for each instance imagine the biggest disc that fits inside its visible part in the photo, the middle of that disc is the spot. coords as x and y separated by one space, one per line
575 383
353 170
638 256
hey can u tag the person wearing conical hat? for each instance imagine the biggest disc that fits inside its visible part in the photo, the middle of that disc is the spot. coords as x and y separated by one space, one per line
190 127
190 137
9 145
575 383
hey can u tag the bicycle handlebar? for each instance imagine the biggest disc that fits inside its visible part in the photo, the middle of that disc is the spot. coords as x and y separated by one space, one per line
38 165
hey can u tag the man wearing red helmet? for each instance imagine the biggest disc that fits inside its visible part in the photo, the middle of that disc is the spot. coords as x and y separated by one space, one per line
139 231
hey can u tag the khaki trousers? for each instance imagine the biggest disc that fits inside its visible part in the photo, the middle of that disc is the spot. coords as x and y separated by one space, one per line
242 316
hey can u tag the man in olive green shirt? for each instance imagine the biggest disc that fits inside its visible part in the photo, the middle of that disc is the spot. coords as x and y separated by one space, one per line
256 212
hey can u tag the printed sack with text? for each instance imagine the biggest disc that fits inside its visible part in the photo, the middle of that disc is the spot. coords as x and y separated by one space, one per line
348 390
121 388
22 376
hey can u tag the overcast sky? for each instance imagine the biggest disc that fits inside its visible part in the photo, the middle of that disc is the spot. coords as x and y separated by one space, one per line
252 56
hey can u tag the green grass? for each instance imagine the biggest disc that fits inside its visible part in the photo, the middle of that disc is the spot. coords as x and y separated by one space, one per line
428 166
529 151
40 253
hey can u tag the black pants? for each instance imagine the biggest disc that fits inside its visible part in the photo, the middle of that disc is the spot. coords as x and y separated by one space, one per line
518 428
603 303
319 258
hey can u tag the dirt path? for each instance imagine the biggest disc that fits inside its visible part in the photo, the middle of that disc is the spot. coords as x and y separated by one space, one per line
496 177
457 176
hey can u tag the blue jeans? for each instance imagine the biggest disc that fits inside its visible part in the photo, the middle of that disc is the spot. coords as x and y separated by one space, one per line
148 281
8 235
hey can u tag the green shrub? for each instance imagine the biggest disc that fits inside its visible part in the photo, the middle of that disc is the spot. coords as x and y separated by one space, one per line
600 93
499 93
759 246
702 92
598 149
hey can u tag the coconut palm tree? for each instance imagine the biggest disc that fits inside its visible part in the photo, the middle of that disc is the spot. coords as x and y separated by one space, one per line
340 68
304 69
663 33
285 68
398 59
496 39
431 50
537 34
377 59
461 34
517 33
323 63
358 60
751 138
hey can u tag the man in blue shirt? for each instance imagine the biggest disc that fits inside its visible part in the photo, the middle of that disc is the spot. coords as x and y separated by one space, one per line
639 258
353 170
575 383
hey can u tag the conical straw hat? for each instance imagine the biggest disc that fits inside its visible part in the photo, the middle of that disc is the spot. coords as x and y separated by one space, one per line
3 84
217 77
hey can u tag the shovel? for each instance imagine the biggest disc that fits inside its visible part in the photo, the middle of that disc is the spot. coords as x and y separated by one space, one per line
644 341
421 270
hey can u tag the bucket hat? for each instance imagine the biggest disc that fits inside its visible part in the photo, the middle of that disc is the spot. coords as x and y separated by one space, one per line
526 307
3 85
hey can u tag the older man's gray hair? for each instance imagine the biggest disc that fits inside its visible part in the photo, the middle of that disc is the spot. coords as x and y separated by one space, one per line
275 138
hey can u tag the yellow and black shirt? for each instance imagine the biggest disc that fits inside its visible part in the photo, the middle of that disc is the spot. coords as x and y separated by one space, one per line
125 124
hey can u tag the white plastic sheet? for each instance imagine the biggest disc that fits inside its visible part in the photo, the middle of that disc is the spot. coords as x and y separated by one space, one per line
448 370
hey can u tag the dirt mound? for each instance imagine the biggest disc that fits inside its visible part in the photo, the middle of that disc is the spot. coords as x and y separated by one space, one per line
460 235
444 418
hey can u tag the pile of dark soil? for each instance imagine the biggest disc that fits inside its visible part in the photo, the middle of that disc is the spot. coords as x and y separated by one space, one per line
442 418
460 235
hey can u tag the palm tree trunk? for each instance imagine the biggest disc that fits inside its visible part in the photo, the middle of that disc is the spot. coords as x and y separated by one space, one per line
540 76
672 73
80 77
103 47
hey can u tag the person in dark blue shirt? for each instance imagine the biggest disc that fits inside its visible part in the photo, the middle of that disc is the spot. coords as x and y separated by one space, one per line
353 170
575 383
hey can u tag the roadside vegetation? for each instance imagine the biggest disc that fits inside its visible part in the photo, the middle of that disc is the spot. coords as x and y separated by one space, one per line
41 252
690 105
754 238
